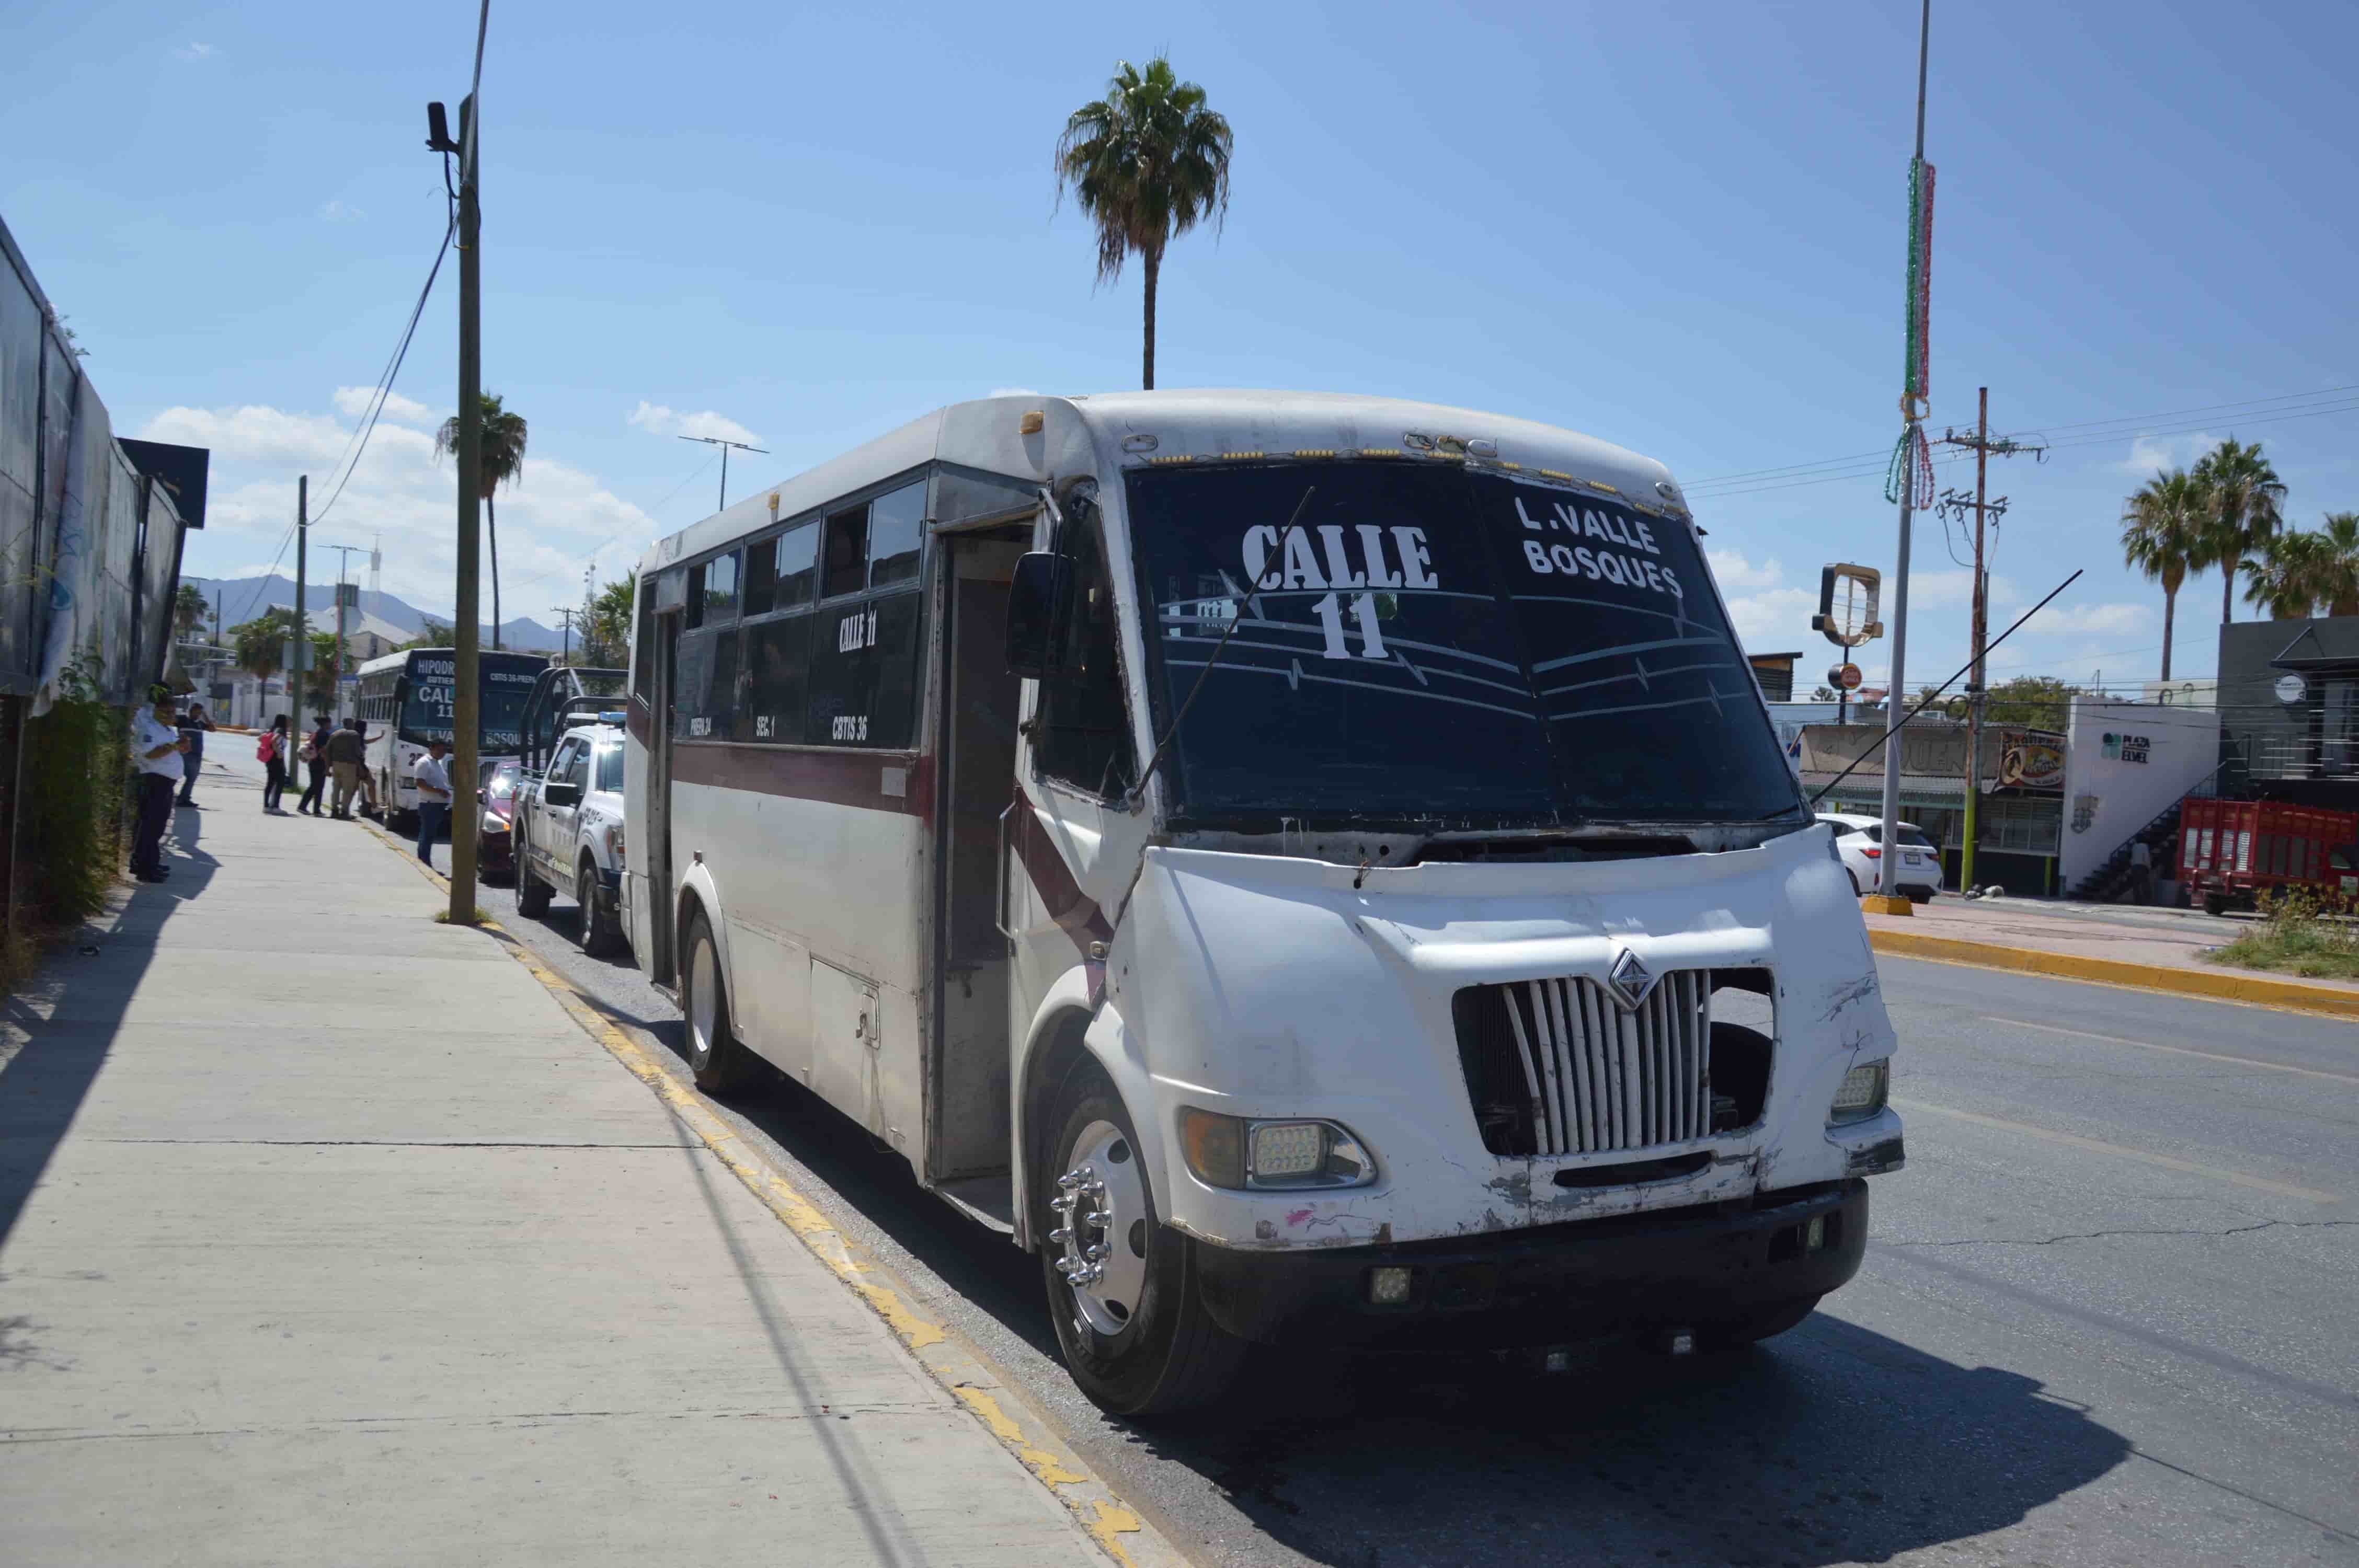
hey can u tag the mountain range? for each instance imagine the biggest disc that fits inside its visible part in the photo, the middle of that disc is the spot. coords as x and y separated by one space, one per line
243 598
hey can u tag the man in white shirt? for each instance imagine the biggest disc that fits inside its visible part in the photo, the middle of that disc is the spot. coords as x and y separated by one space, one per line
433 776
156 756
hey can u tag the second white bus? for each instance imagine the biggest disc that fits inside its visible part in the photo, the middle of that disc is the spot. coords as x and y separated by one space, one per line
408 698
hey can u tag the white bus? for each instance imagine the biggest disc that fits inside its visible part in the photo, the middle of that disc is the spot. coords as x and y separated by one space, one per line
1316 870
410 698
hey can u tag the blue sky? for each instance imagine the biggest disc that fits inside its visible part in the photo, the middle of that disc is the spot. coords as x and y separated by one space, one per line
1674 228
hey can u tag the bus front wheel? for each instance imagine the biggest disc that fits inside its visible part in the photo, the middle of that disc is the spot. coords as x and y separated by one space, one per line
1123 1288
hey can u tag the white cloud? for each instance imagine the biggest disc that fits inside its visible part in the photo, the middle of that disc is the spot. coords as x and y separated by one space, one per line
1732 571
195 51
656 419
341 212
557 519
2149 455
2101 620
354 401
1774 620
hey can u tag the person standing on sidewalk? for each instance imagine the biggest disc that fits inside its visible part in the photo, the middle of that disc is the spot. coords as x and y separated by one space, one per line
433 776
158 755
315 757
345 754
273 751
192 731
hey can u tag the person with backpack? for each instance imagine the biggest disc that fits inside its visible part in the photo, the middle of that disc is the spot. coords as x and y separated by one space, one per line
314 755
270 750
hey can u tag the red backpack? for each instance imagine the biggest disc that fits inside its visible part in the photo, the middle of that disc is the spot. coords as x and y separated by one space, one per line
266 748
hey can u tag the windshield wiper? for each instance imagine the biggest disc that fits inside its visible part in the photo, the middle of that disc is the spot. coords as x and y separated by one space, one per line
1137 791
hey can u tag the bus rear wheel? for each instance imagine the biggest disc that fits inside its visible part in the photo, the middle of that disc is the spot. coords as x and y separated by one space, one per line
713 1054
1123 1288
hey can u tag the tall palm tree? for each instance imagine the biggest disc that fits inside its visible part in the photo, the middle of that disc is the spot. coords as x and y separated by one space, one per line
2247 503
1148 162
2163 537
189 610
504 440
2300 573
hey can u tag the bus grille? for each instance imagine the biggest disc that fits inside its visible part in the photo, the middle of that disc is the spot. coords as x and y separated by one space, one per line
1557 1066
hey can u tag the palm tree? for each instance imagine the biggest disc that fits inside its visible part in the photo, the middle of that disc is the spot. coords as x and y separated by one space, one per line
502 463
2247 502
259 641
1148 162
2163 535
189 610
2299 572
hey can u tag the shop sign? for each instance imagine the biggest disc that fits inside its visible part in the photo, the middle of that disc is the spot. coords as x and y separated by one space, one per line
2126 748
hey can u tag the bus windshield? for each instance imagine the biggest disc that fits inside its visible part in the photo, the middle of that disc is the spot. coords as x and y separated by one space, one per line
505 682
1459 649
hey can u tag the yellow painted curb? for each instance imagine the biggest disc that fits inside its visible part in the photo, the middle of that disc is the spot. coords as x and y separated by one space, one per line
952 1361
2219 986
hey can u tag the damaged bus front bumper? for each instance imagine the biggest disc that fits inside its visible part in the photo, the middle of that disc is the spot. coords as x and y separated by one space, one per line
1711 1263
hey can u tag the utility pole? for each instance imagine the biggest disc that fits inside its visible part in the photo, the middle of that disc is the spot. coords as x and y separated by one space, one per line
1987 509
565 618
725 445
301 652
467 697
1891 901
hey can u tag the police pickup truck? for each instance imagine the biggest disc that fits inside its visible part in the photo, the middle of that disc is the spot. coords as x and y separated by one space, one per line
569 828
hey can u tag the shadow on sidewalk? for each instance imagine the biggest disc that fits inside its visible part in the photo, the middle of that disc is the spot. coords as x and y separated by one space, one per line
56 1030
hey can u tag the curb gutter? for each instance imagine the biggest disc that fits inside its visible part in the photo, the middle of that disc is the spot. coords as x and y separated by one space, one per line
2221 986
960 1367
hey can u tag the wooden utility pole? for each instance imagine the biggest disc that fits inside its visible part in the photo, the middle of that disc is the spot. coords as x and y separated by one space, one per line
1985 510
467 693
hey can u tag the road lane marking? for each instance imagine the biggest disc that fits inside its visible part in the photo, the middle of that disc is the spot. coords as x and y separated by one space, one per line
2174 1050
2098 1146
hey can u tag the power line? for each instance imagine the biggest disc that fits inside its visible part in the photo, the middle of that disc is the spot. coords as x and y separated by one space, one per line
2324 400
393 368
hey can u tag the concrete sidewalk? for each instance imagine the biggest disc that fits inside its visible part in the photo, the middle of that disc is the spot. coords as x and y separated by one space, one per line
2158 948
409 1271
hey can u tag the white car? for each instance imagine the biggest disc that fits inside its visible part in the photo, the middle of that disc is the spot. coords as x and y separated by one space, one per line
1859 843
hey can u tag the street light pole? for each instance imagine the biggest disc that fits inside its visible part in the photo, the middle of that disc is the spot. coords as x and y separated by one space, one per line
1896 749
725 445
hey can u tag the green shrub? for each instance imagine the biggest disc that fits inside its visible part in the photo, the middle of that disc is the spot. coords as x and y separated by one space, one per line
70 827
2301 933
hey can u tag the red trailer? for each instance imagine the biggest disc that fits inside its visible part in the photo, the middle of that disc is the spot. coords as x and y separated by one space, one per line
2230 849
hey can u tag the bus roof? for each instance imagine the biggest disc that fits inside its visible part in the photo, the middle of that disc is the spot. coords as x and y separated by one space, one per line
1088 433
400 660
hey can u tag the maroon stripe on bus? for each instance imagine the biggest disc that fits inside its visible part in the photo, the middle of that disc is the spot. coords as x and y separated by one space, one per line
636 719
837 778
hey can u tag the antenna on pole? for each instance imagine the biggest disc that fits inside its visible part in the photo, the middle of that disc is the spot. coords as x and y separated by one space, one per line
725 445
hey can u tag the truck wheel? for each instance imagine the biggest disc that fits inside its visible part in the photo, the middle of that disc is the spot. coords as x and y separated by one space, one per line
602 925
1123 1289
713 1055
532 893
2215 903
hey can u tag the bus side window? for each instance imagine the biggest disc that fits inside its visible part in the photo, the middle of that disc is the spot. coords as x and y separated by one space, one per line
897 528
1083 734
846 569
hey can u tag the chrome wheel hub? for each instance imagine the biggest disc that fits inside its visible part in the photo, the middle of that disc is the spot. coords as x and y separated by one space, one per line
1100 1208
703 1005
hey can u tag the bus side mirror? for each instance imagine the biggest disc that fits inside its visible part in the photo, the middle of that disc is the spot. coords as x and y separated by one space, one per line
1040 604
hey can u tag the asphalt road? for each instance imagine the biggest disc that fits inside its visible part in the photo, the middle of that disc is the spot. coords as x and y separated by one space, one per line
2106 1317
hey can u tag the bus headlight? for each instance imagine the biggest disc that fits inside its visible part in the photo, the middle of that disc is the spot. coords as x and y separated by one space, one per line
1861 1093
1236 1153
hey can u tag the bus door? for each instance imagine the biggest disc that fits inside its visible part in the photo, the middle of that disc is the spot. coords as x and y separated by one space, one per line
662 654
967 1137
